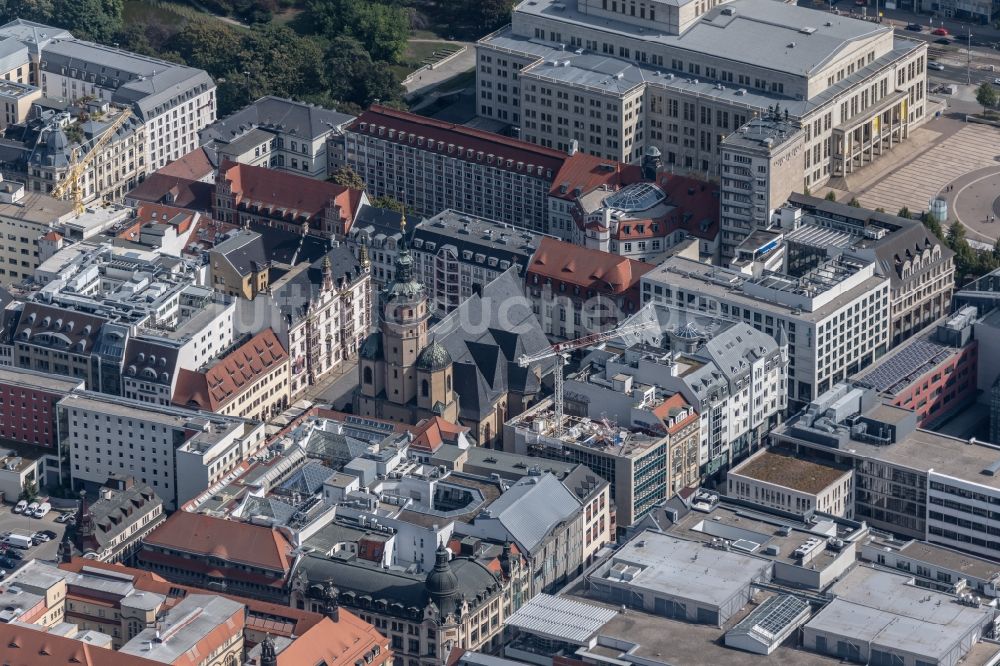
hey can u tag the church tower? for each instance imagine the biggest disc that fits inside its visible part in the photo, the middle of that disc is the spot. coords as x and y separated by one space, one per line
403 321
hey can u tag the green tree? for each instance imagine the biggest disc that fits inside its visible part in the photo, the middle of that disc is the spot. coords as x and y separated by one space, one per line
830 196
932 225
388 202
996 250
854 203
99 20
347 177
486 15
956 235
904 212
986 95
29 490
353 77
880 210
209 45
381 28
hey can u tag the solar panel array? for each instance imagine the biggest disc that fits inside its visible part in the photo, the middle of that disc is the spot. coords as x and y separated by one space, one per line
895 372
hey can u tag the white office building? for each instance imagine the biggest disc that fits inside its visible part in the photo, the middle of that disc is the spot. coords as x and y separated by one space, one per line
177 452
835 316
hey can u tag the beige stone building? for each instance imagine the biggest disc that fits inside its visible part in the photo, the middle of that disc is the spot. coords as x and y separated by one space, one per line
251 382
25 219
615 77
788 482
761 167
239 265
16 100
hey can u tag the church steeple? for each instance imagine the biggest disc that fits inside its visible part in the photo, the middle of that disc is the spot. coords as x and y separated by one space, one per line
404 261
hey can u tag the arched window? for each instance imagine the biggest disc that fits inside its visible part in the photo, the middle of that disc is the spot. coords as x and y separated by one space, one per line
448 382
425 388
368 375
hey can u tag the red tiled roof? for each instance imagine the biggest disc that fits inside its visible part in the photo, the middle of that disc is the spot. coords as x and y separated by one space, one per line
697 202
205 231
232 375
226 540
279 190
589 269
475 140
21 646
430 434
195 165
181 218
335 643
294 620
52 236
662 411
588 172
220 573
180 192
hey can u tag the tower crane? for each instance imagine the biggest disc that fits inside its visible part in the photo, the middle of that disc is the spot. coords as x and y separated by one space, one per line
560 348
71 183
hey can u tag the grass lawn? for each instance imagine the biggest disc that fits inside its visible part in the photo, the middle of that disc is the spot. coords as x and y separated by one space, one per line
418 54
286 16
163 13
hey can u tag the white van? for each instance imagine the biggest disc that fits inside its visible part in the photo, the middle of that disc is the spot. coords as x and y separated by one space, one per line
42 509
20 506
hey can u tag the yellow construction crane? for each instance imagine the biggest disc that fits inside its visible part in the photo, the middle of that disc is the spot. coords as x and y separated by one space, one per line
71 183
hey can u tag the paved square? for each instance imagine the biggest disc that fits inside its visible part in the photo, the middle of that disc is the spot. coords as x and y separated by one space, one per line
914 183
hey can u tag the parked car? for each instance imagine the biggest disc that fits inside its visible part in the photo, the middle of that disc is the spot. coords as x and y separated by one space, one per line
935 66
3 574
915 27
8 563
940 32
65 518
20 506
19 541
40 537
996 81
49 534
41 510
30 509
944 40
13 554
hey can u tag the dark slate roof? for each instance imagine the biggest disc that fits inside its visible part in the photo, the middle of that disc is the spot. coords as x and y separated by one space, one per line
287 116
282 246
485 356
582 482
906 238
382 220
245 251
127 507
356 578
434 357
293 297
150 361
468 233
75 332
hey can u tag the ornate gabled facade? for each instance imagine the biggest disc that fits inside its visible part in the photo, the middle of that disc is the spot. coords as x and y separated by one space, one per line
461 603
325 312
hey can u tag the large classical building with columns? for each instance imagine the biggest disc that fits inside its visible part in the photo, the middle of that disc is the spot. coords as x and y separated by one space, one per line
616 78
